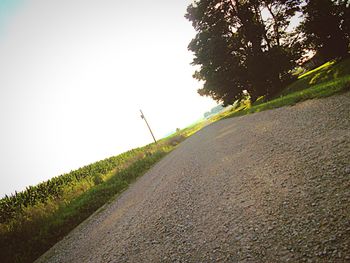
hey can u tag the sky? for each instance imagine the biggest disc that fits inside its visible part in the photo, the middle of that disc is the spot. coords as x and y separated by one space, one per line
74 74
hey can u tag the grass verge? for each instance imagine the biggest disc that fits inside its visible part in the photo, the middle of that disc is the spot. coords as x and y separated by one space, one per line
31 233
318 91
33 229
328 79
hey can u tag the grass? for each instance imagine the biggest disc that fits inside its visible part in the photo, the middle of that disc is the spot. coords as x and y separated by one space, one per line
329 71
34 231
40 226
318 91
330 78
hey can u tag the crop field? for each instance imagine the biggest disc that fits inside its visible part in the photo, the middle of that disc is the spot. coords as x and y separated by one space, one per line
33 220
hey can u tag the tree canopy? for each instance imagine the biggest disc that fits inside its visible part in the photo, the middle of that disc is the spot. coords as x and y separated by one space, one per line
326 27
252 44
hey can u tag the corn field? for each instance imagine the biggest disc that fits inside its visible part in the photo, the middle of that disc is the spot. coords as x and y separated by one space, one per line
13 205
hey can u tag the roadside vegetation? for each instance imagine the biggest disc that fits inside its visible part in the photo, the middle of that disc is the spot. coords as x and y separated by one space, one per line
33 220
256 46
232 37
330 78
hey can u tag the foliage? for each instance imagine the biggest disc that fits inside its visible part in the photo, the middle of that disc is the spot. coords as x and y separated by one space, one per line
35 219
329 71
318 91
238 48
326 27
14 205
329 79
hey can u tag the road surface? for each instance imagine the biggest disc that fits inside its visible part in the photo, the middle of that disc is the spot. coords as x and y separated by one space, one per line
268 187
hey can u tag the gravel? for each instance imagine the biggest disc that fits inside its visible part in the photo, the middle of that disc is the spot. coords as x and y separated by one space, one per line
268 187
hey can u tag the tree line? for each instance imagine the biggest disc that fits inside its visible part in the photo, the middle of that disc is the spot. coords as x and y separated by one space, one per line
253 45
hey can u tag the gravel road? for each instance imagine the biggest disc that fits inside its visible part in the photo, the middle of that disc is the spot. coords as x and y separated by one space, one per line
268 187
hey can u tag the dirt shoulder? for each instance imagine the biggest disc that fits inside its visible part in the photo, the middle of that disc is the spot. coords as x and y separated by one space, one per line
269 187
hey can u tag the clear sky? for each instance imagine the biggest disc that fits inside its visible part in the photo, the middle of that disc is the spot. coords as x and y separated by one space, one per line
74 74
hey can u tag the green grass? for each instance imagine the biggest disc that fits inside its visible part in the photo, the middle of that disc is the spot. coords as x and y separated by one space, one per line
329 79
32 230
28 235
329 71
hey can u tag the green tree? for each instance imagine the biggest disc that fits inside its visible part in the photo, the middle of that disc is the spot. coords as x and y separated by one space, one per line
242 45
326 27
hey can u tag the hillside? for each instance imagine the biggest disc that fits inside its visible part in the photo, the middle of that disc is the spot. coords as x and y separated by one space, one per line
330 78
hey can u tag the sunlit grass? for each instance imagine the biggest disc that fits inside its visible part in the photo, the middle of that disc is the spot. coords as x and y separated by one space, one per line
318 69
329 71
330 78
36 228
318 91
31 232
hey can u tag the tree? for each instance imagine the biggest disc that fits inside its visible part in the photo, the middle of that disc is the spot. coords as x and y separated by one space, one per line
344 12
326 27
242 45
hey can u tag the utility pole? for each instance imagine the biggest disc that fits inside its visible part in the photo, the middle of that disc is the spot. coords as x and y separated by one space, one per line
143 117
